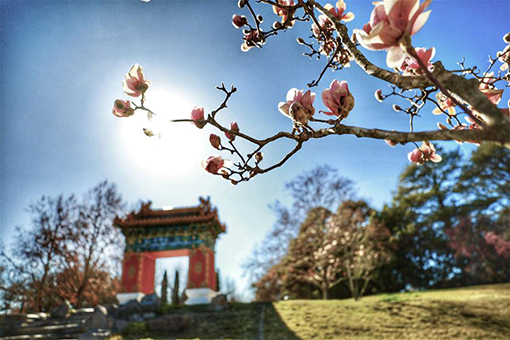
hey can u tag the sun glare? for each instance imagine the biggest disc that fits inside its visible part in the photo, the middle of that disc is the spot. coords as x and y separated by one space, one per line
181 145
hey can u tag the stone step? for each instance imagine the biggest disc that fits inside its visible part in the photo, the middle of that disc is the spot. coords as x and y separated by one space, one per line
71 328
41 336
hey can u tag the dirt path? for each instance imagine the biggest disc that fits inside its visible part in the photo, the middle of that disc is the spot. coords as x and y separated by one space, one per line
261 322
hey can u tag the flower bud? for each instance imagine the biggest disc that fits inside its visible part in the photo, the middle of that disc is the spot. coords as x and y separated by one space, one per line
390 142
259 156
215 141
441 126
197 115
379 96
148 132
506 38
239 20
122 108
234 128
241 3
260 18
397 108
300 41
277 25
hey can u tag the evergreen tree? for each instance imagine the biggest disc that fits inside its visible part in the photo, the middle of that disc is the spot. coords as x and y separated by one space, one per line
175 291
164 289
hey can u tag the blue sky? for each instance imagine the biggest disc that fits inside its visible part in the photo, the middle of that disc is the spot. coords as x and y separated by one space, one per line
63 62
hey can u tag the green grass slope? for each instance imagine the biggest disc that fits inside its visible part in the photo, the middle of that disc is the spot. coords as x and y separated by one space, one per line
479 312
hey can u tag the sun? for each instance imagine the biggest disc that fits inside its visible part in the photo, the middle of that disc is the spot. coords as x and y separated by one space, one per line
181 145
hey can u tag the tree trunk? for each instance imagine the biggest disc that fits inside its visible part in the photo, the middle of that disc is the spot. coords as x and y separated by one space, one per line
324 290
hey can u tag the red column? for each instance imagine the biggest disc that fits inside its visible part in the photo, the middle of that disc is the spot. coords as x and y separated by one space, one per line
138 273
201 273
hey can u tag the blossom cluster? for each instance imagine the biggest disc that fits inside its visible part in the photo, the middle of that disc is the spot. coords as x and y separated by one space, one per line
135 85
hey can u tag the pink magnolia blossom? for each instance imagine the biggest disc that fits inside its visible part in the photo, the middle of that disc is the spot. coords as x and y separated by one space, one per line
390 20
135 84
410 66
251 39
445 104
338 12
426 152
197 115
338 99
239 20
489 90
233 127
285 14
213 164
122 108
299 106
215 141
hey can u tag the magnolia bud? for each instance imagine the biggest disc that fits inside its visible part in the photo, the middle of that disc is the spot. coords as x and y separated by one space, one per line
390 142
259 156
397 108
506 38
277 25
241 3
441 126
148 132
300 41
215 141
260 18
379 96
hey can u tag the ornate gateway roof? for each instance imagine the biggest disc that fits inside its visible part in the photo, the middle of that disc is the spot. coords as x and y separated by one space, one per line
179 228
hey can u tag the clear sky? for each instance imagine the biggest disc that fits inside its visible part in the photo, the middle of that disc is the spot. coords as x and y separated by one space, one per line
62 64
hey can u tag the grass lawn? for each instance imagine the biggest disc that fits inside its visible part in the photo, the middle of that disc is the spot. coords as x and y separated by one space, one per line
479 312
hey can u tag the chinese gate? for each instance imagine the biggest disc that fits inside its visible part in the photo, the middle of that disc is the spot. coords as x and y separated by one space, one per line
152 234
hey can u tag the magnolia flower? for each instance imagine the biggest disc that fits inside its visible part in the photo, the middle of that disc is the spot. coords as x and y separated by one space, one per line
285 14
197 115
215 141
338 12
390 20
213 164
239 20
489 90
445 104
122 108
251 39
410 66
426 152
135 84
299 106
338 99
234 128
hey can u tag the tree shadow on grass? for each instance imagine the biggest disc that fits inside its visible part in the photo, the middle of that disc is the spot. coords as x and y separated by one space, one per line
482 316
239 321
274 327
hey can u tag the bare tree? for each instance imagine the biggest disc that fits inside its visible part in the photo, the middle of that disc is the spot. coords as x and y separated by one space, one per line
97 247
321 186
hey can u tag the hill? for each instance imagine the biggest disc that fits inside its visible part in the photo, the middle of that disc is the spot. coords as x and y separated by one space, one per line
478 312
